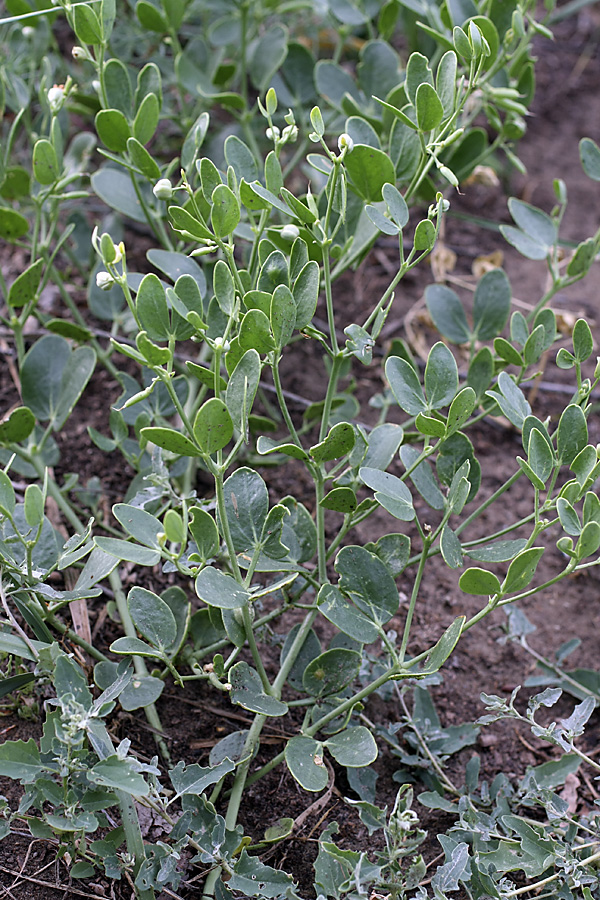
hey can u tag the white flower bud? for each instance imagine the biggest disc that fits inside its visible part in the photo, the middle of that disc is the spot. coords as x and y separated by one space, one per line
55 97
204 251
104 281
79 53
221 344
273 134
28 31
290 232
289 134
346 143
96 85
163 189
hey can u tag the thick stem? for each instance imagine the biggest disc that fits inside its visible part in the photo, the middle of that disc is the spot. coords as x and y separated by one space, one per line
103 745
139 664
338 711
490 500
254 650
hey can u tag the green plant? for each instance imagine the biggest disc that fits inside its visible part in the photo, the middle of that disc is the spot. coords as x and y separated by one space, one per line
207 344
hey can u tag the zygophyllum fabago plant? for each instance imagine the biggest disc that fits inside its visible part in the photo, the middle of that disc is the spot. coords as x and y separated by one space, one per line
249 243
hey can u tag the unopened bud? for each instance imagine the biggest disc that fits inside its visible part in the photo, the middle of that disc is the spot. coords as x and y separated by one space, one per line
55 97
79 53
104 281
238 615
290 232
221 344
163 189
210 247
28 31
345 143
289 134
273 134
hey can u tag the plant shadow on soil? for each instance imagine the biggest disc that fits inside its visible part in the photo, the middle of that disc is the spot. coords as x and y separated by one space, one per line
567 107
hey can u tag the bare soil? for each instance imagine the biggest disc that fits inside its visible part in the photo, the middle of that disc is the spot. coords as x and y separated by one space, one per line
567 107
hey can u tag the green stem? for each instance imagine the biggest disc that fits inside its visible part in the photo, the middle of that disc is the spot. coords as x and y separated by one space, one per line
497 603
235 798
413 599
155 222
533 887
139 663
560 673
320 525
243 53
347 704
103 745
293 653
225 642
331 390
242 772
220 496
325 244
351 701
254 649
75 638
252 264
103 355
283 405
552 290
241 779
388 292
490 500
320 474
329 299
166 380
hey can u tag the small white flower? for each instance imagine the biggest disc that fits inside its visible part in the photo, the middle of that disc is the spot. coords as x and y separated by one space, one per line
273 134
79 53
219 343
104 281
290 232
289 134
55 97
346 143
28 31
163 189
